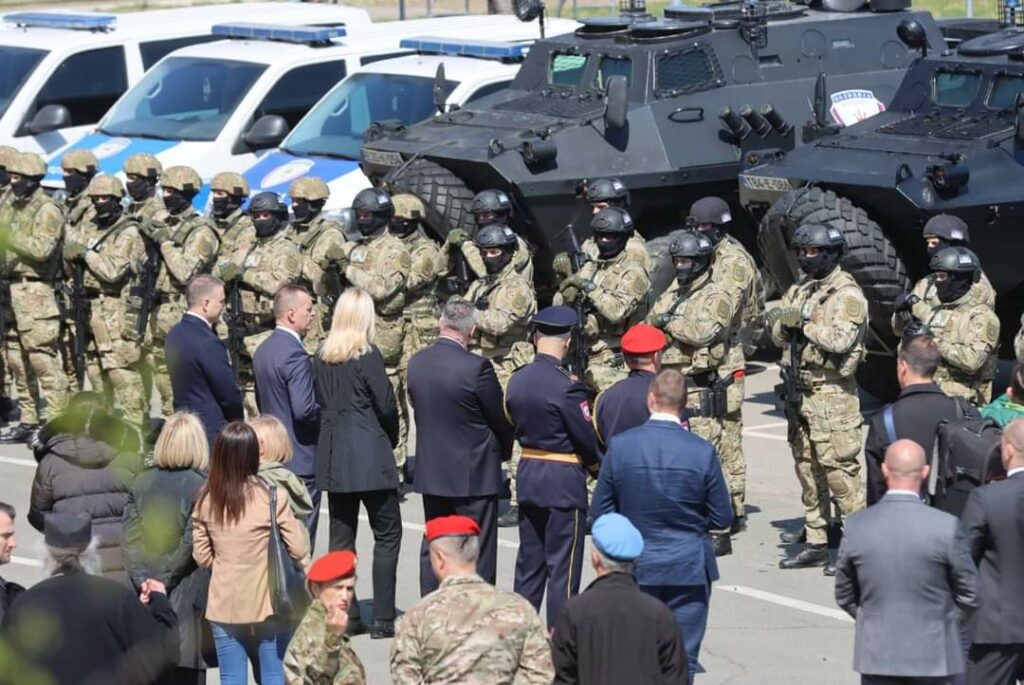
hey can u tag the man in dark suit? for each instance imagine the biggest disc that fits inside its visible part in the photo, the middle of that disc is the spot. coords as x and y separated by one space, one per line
624 404
284 385
462 436
903 571
994 521
916 413
669 483
202 380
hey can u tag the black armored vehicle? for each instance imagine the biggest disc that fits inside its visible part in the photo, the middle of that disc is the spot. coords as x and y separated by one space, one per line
951 141
672 106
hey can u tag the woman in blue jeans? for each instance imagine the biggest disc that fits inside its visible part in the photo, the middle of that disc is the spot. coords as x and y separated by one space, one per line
231 531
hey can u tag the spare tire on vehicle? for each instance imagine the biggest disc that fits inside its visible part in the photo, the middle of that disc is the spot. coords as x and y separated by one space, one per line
446 197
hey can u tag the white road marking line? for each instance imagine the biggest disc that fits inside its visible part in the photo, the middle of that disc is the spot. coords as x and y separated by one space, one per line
760 426
789 602
25 561
18 462
765 436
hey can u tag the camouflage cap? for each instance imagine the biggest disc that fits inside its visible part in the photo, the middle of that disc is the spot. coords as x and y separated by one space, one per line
408 206
83 161
7 153
143 164
105 185
310 188
183 178
27 164
230 183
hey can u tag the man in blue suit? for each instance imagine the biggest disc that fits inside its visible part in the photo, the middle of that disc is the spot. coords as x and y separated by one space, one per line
668 482
202 381
284 385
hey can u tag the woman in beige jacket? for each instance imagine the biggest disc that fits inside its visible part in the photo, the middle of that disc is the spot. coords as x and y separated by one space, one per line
231 531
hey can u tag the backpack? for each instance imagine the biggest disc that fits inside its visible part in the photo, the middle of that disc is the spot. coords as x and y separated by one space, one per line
967 454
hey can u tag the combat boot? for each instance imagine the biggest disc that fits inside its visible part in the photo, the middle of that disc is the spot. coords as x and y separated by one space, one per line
809 556
382 630
793 537
22 434
510 519
739 524
830 568
723 545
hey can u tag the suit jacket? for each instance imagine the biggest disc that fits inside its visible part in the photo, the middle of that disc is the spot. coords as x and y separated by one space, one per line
201 377
903 570
462 435
358 425
916 415
669 483
284 388
994 521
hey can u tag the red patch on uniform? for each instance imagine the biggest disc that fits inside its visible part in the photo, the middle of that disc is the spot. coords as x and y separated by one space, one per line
585 409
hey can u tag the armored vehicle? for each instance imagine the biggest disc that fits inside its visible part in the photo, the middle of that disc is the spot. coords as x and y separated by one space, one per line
951 141
671 106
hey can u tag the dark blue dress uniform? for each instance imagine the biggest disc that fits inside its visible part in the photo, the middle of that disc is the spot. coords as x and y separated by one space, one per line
550 411
622 406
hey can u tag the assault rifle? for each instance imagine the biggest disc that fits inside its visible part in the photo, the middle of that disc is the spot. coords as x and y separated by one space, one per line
234 321
789 397
580 347
144 290
334 279
80 308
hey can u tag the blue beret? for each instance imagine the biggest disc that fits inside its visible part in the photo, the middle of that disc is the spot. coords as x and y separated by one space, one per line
616 537
555 320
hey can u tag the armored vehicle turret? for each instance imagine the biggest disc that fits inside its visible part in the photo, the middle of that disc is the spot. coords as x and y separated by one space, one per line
951 141
672 106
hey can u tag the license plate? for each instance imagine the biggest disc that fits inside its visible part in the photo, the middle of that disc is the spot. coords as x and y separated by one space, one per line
382 157
766 183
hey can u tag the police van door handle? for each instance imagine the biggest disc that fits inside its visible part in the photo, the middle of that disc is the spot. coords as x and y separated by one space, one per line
687 115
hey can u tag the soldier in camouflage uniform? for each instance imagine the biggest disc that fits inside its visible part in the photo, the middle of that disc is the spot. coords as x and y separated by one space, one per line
488 207
468 632
702 319
111 250
966 330
182 243
229 191
505 303
421 308
142 172
272 261
7 153
824 316
734 269
7 404
614 289
319 653
380 265
33 225
323 248
940 232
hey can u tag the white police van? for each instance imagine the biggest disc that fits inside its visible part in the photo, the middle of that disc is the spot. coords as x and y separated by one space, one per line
215 106
326 143
60 71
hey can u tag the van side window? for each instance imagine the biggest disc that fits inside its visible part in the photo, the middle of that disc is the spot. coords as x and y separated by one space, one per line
87 83
154 50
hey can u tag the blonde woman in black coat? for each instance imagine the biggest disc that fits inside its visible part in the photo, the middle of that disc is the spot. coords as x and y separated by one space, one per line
355 461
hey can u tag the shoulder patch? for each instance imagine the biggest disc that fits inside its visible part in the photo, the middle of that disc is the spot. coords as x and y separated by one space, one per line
721 309
854 308
585 410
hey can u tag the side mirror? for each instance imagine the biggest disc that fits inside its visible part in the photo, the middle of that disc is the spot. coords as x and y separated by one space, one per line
268 131
616 102
49 118
440 89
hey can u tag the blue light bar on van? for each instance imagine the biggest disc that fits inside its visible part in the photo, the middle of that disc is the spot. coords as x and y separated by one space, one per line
466 48
60 20
287 34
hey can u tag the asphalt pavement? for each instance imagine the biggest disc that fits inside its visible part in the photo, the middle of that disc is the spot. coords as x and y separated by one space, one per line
766 625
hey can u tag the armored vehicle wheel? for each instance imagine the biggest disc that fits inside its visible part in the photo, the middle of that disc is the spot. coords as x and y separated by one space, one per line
871 258
446 197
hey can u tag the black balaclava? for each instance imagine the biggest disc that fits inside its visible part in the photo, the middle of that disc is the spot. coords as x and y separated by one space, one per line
306 210
176 201
140 188
954 287
820 265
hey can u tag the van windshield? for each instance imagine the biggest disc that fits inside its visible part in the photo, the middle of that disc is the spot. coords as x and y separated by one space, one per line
335 127
183 98
16 64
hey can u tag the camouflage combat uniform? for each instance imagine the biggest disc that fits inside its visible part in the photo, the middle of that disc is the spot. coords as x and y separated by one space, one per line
7 153
702 323
321 242
522 260
834 314
636 246
967 334
318 656
237 238
188 246
380 265
421 310
469 632
33 226
980 292
112 257
617 301
147 165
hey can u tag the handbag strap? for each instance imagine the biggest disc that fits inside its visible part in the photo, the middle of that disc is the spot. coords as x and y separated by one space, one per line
273 500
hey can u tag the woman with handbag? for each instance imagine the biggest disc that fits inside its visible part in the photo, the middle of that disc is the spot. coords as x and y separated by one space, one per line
157 539
242 529
355 462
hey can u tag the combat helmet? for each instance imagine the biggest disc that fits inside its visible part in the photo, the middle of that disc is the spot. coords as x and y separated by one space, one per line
145 165
491 206
268 202
612 228
711 215
409 211
377 207
311 188
950 228
181 178
610 191
105 185
27 164
7 153
230 183
829 243
82 161
962 269
693 250
496 236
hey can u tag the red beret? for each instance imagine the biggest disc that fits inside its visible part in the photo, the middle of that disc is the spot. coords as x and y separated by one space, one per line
332 566
443 526
642 339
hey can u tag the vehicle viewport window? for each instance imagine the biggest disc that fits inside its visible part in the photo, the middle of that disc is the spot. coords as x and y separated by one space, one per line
566 69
